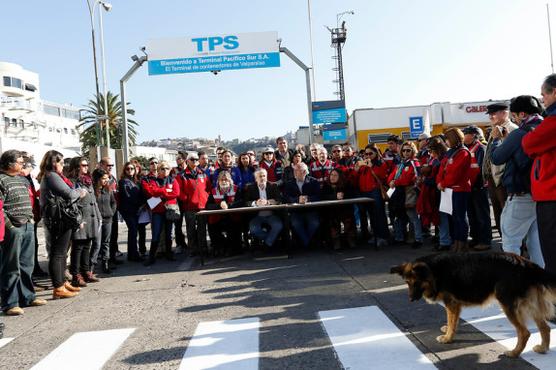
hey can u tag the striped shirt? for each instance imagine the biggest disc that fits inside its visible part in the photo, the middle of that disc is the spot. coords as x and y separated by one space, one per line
14 191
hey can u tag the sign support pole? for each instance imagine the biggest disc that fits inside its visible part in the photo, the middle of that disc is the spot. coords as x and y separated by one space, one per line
308 83
138 63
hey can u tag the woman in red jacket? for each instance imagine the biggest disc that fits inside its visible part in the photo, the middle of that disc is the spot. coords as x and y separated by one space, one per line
403 178
167 191
454 174
371 176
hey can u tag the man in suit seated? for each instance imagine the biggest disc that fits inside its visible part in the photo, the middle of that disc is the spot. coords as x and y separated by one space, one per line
265 226
303 189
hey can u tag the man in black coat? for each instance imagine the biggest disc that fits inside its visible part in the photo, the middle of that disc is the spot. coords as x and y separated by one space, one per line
303 189
266 226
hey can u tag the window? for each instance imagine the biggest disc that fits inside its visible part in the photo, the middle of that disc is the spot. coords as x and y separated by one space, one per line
65 131
52 110
50 129
73 132
14 122
21 123
13 82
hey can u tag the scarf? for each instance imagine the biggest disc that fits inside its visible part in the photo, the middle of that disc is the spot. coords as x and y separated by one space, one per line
86 179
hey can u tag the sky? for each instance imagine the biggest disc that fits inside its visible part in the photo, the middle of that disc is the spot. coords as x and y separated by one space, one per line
398 53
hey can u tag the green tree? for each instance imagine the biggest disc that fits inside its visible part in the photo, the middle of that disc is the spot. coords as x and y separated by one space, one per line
88 123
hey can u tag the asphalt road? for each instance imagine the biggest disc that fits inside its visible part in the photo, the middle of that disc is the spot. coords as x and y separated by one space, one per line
315 310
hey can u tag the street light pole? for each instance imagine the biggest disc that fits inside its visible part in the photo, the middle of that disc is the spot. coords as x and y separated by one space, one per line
107 7
92 17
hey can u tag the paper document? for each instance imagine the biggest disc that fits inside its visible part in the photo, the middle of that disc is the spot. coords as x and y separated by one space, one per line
446 201
390 191
153 202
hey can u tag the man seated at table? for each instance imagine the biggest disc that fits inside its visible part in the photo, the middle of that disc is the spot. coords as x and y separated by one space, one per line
265 226
303 189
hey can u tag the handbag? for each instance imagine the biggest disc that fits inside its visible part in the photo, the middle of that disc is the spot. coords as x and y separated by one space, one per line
61 215
172 212
411 195
380 186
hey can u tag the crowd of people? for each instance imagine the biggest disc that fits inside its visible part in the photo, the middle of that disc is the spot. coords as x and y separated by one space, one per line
512 167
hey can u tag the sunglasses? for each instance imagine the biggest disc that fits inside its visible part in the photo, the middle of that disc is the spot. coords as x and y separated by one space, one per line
407 150
336 151
165 168
130 168
154 163
369 153
84 165
109 165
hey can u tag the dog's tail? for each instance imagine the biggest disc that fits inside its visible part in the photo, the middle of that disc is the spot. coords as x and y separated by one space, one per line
546 299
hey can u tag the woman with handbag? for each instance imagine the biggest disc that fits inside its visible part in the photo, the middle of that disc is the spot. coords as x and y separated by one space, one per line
84 240
371 180
454 174
54 190
107 205
404 176
131 200
165 190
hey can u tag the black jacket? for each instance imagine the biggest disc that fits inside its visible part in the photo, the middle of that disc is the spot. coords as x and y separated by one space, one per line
251 193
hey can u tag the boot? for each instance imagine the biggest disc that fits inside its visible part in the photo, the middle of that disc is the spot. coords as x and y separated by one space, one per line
106 267
455 247
62 292
71 288
78 281
463 247
152 254
89 277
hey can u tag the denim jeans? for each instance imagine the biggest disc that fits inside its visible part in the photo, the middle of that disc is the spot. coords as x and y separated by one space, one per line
478 213
519 221
305 224
270 233
132 222
459 212
415 224
377 214
102 249
59 243
444 238
17 260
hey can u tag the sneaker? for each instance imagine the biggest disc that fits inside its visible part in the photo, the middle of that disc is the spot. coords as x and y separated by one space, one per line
14 311
37 302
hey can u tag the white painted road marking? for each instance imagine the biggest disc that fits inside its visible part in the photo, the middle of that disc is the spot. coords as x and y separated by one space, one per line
5 341
493 322
365 338
224 345
85 351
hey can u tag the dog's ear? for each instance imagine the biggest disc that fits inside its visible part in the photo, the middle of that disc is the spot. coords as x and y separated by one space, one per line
421 270
398 269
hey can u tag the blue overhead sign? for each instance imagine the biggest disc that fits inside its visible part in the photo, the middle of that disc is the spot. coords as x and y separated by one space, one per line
335 135
213 53
416 127
327 112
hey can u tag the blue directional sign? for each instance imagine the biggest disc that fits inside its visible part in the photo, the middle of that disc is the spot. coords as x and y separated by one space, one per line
335 135
327 112
416 127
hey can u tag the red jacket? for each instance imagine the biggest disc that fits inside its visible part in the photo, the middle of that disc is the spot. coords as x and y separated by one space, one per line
540 145
216 197
273 171
194 189
408 175
167 189
321 171
367 181
454 171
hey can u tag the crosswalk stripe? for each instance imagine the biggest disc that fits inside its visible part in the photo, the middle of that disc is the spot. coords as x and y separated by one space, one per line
100 346
226 345
5 341
493 322
365 338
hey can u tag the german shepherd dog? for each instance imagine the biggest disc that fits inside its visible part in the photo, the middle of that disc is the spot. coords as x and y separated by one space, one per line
522 288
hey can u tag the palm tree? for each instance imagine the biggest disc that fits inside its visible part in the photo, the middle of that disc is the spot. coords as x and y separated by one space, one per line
88 121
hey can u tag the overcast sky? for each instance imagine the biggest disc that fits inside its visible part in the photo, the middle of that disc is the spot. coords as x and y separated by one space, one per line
397 53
